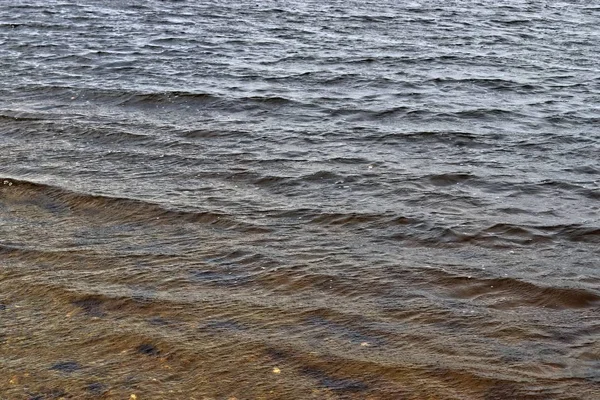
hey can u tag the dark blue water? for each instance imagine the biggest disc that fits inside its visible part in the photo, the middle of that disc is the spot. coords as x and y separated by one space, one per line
269 199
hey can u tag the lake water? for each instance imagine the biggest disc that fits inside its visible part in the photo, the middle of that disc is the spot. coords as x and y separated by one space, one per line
300 200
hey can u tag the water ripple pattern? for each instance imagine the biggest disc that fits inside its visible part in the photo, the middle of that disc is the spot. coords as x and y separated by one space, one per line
300 200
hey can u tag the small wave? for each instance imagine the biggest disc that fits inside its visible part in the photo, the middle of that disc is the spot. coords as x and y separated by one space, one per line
165 98
512 22
483 113
496 236
392 112
541 233
221 278
514 233
112 208
487 83
512 293
125 98
345 219
17 116
459 139
322 175
577 233
584 169
449 179
213 133
271 100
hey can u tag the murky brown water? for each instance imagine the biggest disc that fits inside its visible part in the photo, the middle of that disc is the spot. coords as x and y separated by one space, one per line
208 200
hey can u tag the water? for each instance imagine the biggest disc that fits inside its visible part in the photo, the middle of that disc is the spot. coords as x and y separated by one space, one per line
273 200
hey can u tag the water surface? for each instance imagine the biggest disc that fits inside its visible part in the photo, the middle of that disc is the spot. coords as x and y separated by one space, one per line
272 200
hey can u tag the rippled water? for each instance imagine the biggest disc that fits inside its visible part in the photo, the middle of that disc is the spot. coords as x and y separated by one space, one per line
283 200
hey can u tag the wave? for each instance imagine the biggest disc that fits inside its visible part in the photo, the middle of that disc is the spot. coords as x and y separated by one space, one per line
135 99
62 201
489 83
505 293
416 230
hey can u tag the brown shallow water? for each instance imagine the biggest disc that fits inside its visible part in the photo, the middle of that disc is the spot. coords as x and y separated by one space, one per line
295 200
106 297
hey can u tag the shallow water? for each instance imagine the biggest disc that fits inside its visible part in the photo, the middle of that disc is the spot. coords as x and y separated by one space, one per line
356 200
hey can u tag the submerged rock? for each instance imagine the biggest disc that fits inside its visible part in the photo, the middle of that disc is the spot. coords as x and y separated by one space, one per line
147 349
66 366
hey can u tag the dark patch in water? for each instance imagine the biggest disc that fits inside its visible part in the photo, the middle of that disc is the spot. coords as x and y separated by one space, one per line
147 349
92 306
66 367
334 383
276 354
158 321
97 388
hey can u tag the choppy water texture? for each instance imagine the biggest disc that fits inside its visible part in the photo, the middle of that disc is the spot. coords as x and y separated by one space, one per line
296 200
